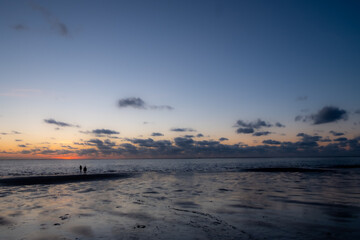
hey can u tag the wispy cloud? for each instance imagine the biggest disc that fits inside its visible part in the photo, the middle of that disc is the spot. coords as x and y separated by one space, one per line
182 130
19 27
54 22
138 103
59 123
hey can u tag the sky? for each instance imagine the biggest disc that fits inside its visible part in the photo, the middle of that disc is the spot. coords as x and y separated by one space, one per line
179 79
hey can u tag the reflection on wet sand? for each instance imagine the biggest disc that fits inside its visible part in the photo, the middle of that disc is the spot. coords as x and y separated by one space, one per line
232 205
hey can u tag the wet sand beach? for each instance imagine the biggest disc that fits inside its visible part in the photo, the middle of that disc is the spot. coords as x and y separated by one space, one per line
184 205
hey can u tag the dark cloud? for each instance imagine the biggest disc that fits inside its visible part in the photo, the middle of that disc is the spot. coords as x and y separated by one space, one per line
55 23
357 111
341 139
279 125
200 135
18 140
156 134
271 142
251 127
58 123
104 131
16 132
336 133
189 136
245 130
182 130
223 139
19 27
329 114
132 102
308 138
255 124
138 103
22 145
264 133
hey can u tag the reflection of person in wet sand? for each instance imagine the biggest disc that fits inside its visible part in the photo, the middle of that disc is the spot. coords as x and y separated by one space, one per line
85 169
80 168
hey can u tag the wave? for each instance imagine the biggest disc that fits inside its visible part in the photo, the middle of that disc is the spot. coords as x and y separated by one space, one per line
60 179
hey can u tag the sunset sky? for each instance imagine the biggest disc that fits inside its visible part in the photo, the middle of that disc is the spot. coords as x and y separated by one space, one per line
154 79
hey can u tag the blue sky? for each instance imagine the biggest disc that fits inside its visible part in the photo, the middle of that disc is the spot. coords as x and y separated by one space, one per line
212 62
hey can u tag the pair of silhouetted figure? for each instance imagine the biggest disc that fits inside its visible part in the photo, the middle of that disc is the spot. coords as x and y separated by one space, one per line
81 169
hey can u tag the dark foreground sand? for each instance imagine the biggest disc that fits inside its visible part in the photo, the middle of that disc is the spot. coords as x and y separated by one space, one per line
242 205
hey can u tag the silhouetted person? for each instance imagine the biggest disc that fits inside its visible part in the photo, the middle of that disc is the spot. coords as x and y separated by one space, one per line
80 168
85 169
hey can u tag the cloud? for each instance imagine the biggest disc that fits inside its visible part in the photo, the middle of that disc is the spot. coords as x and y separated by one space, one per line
251 127
55 23
279 125
302 98
357 111
58 123
200 135
341 139
271 142
104 131
16 132
336 133
327 114
138 103
156 134
264 133
132 102
223 139
19 27
245 130
255 124
182 130
22 145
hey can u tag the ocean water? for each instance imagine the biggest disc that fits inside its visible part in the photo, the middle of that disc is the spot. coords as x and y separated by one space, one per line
247 198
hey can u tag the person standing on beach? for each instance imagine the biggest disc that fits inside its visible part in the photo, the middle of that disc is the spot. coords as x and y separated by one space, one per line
85 169
80 168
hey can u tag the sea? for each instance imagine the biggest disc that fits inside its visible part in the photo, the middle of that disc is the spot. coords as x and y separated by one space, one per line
215 198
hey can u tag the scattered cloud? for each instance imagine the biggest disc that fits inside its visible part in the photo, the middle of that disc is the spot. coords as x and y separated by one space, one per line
255 124
341 139
223 139
22 145
327 114
302 98
200 135
336 133
182 130
54 22
271 142
104 131
245 130
264 133
156 134
138 103
58 123
19 27
132 102
251 127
